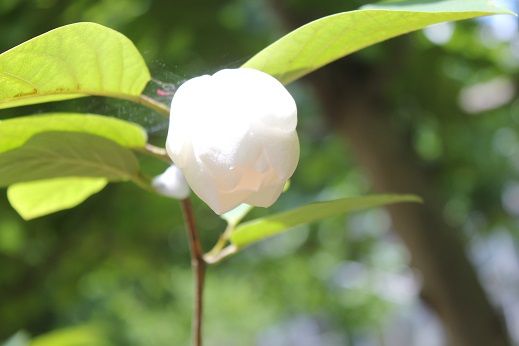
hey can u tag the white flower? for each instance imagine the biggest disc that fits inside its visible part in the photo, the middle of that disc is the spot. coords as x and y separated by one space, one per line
233 135
171 183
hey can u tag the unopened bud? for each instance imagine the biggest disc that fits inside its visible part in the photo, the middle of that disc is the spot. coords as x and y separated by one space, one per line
171 183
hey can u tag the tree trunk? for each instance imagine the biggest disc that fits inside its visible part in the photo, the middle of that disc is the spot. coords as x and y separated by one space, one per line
349 93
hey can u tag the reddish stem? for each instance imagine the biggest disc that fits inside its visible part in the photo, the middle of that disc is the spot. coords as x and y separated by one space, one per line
198 264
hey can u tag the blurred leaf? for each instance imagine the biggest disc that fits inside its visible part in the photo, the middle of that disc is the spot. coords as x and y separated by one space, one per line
73 336
15 132
327 39
67 154
259 229
38 198
72 61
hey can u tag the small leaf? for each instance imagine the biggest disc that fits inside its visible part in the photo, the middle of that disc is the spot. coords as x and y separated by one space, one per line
327 39
72 61
14 132
67 154
259 229
234 216
38 198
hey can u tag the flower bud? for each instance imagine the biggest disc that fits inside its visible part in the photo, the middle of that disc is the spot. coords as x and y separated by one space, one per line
233 135
171 183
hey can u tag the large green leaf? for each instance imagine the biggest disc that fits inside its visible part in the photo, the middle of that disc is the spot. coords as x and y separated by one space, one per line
330 38
72 61
37 198
259 229
67 154
14 132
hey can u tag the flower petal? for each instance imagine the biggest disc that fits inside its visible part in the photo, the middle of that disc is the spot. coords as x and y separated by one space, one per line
233 136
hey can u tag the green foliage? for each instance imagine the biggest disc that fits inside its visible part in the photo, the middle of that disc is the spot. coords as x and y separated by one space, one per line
15 132
54 154
327 39
252 231
74 336
72 61
143 295
84 335
38 198
110 65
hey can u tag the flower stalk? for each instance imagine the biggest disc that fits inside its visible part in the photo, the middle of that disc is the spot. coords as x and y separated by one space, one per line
198 265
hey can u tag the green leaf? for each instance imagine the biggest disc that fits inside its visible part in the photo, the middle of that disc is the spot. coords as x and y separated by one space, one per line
82 335
38 198
234 216
259 229
67 154
72 61
15 132
330 38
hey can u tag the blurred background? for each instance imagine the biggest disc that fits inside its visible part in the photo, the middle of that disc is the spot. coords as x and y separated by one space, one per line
434 113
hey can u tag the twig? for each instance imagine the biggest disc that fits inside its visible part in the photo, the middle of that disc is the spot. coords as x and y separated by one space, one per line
155 105
220 244
157 152
140 99
212 258
198 265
